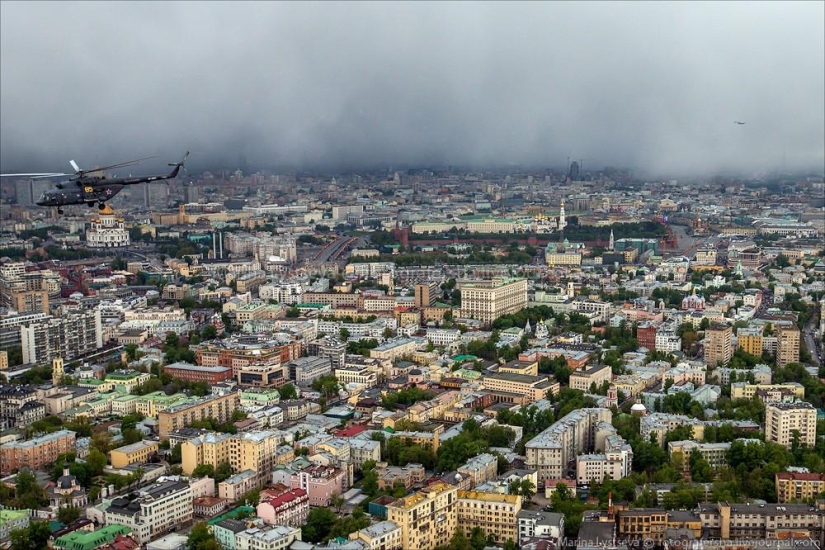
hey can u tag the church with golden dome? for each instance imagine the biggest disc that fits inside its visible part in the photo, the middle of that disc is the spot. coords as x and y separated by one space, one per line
107 230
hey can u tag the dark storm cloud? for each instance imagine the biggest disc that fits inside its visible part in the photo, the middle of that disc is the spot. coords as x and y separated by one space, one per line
656 86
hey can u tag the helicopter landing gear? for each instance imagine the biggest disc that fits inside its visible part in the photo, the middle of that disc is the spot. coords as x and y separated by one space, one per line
60 211
101 205
91 204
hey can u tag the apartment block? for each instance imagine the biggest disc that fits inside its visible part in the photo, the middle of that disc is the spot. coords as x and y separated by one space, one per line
787 345
495 514
615 462
480 469
784 420
36 453
426 294
743 390
253 451
384 535
486 301
154 511
394 349
68 336
798 487
428 518
217 407
136 453
19 406
715 453
749 340
718 341
550 452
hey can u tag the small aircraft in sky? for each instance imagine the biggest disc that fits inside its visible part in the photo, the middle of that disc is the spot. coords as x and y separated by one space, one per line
739 123
94 186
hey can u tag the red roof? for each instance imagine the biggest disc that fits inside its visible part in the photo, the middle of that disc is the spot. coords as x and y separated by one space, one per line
287 496
799 476
351 431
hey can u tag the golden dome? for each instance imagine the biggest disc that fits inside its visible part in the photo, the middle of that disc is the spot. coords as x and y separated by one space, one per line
107 211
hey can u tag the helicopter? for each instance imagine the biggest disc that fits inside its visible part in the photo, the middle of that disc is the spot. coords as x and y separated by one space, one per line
93 186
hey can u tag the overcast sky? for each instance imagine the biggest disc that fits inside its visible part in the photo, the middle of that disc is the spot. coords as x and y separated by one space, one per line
645 85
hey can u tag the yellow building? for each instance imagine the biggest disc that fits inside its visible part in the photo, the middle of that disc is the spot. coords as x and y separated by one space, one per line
798 487
743 390
136 453
530 368
217 407
486 301
428 518
532 388
256 451
494 513
642 524
750 340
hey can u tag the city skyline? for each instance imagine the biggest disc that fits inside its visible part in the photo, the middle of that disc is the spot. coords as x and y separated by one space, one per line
655 87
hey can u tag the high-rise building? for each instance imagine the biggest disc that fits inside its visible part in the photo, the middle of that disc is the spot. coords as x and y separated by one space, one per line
428 518
784 422
426 294
551 451
486 301
69 336
27 291
749 340
718 348
787 346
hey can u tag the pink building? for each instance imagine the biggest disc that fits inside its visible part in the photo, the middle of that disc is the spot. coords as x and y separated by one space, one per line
291 507
320 482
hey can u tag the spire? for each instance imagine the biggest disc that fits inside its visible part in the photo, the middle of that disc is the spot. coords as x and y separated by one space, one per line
612 242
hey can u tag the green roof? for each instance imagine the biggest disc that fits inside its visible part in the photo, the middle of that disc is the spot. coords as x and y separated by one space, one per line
461 358
85 540
232 514
8 515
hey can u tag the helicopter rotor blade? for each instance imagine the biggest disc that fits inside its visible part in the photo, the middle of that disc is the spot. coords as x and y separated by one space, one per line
118 165
75 166
35 175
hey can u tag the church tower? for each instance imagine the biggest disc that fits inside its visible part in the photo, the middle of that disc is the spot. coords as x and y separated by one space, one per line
562 222
612 242
57 370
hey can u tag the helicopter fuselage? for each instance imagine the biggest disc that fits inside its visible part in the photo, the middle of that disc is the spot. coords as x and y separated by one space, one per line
87 194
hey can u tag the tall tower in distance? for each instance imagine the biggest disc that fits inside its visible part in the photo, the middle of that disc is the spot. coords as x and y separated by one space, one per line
562 222
57 371
574 171
612 242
